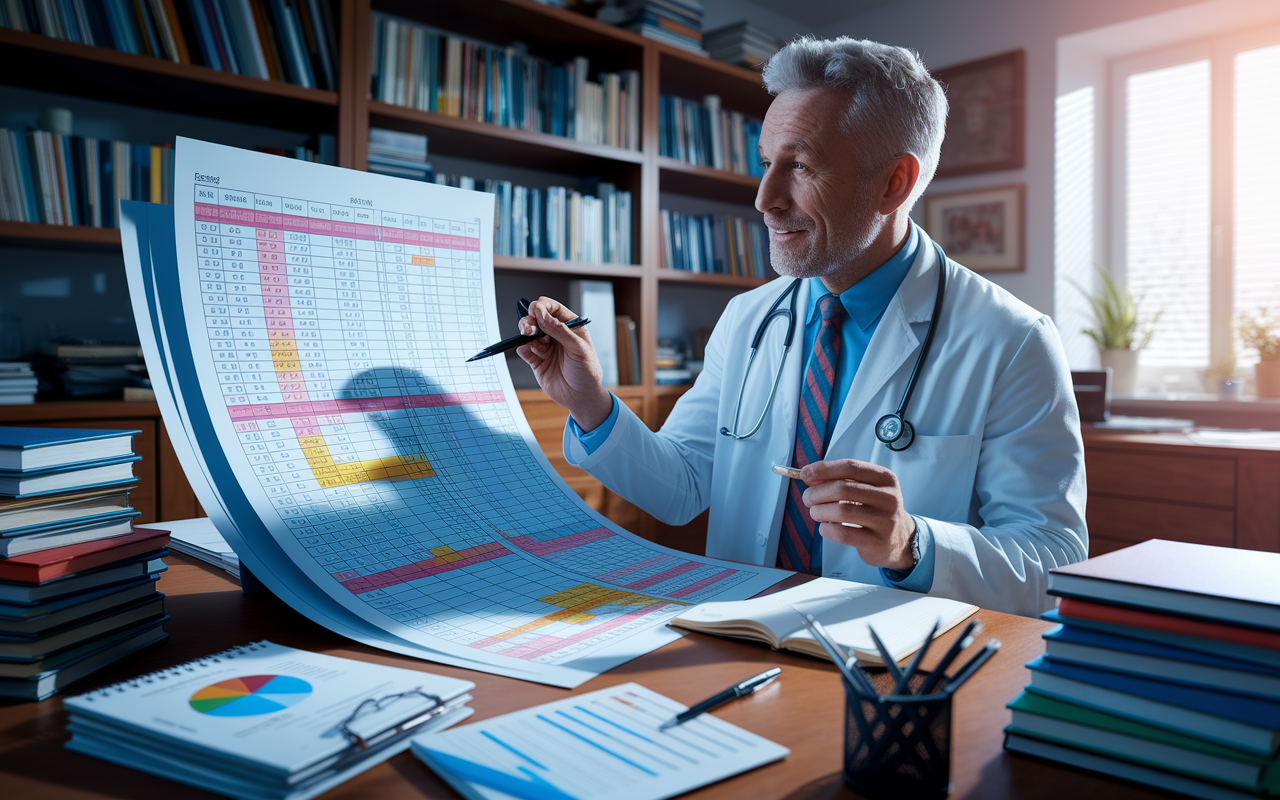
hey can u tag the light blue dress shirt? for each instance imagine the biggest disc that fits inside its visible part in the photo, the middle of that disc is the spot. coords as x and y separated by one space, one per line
864 303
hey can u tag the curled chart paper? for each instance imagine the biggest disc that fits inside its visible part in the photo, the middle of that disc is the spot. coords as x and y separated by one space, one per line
307 330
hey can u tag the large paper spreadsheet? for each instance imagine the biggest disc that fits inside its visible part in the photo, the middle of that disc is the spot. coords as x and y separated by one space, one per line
325 317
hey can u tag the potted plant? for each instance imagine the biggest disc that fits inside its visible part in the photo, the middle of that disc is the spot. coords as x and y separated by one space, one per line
1260 331
1116 330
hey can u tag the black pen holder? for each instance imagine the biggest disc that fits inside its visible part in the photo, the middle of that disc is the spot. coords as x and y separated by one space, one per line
898 746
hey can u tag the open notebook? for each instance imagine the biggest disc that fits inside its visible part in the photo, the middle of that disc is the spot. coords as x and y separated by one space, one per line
901 619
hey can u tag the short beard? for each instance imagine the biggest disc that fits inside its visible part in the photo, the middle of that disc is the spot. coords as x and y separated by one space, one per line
852 242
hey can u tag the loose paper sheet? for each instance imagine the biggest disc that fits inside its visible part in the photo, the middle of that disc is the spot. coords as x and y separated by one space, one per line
314 347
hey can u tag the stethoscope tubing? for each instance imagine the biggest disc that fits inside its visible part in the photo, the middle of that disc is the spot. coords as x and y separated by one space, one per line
904 431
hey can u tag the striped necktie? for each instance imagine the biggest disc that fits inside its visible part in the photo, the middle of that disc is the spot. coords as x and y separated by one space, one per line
800 548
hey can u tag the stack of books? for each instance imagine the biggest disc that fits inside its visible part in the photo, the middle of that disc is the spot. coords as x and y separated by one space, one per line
669 364
708 135
674 22
557 222
1164 670
422 68
741 44
400 155
17 384
294 41
715 243
77 580
88 368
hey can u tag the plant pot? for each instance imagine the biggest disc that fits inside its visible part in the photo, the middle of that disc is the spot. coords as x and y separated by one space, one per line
1268 376
1124 369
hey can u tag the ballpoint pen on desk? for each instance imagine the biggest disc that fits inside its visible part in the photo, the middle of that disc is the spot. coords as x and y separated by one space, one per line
513 342
749 686
971 666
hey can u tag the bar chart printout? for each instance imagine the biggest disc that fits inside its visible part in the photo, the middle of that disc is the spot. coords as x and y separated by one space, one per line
328 317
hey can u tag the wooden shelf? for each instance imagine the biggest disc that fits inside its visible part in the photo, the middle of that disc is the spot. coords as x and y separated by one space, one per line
711 278
568 267
42 62
487 142
66 236
671 390
690 75
714 184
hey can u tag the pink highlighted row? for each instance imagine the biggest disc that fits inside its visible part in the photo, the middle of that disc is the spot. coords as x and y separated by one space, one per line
365 404
325 227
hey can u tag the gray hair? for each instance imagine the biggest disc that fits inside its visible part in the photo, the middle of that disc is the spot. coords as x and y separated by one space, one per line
895 105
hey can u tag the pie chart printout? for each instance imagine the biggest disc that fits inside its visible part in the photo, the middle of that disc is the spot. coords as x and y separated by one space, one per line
250 695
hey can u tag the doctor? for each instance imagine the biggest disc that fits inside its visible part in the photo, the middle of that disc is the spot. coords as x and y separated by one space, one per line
973 491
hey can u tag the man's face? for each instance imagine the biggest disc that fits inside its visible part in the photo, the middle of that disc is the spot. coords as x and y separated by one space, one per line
818 203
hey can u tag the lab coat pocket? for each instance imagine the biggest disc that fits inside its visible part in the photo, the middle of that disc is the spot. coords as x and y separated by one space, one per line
936 475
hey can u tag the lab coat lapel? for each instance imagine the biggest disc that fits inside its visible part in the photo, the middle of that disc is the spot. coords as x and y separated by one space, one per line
893 343
785 413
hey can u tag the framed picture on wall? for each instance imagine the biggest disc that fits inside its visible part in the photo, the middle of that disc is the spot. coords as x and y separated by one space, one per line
985 120
983 229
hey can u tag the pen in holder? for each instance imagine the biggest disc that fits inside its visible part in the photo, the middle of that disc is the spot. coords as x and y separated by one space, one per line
898 745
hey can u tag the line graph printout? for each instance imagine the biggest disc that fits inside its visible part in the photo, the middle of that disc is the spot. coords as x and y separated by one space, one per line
328 317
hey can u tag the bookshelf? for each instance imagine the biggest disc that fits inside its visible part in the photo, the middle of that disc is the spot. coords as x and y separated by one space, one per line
64 68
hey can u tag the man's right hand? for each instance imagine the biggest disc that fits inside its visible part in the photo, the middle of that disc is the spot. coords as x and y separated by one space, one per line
565 364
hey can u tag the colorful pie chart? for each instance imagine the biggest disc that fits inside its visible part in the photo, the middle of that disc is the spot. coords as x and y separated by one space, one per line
250 696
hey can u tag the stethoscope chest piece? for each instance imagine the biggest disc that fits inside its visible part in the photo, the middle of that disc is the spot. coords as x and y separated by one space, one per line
895 432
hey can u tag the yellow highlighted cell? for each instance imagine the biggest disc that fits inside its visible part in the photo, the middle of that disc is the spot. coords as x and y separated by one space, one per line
424 261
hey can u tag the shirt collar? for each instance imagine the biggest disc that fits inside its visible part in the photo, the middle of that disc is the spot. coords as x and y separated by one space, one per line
866 300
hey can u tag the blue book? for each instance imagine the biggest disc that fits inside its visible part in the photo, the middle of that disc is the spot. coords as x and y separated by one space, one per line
32 483
1163 662
1248 722
1252 654
77 523
23 449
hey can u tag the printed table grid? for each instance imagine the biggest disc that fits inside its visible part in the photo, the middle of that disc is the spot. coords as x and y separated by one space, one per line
339 336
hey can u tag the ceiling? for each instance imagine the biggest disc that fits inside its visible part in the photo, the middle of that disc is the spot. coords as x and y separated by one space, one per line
818 13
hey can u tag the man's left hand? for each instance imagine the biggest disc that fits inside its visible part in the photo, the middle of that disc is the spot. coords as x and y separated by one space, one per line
866 495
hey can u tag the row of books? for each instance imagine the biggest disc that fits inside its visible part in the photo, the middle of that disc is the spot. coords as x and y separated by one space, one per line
421 68
283 40
57 179
78 180
1164 669
557 222
82 368
716 243
708 135
77 580
18 384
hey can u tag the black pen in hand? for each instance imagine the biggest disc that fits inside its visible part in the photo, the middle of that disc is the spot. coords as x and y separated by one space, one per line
750 685
518 340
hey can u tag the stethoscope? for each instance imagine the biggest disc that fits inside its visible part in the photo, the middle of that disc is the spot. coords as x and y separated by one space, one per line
893 430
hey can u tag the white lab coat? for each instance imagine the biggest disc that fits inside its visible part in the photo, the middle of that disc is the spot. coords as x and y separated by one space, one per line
996 470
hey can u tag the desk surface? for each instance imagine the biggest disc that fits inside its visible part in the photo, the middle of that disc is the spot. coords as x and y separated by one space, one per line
803 711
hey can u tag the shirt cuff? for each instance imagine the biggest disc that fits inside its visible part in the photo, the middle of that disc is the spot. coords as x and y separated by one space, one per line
920 577
591 440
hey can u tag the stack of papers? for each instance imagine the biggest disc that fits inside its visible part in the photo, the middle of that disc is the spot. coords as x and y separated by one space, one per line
601 744
263 722
199 539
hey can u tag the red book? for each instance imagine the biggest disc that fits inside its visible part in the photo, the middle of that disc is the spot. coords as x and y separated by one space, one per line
1221 584
1083 609
46 565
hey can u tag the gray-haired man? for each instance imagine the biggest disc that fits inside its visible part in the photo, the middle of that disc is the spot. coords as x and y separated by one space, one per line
990 493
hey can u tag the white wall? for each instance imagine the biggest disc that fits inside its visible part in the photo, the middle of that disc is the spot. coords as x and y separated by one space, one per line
948 32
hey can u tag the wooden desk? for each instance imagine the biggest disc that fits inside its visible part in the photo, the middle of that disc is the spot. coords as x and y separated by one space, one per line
1165 485
803 711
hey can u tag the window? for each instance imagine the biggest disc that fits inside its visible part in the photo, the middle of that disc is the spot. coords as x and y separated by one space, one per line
1196 166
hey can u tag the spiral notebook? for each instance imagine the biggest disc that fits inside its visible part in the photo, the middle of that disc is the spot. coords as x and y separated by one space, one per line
264 721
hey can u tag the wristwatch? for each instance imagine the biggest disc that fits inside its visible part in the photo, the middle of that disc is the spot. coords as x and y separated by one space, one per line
915 548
